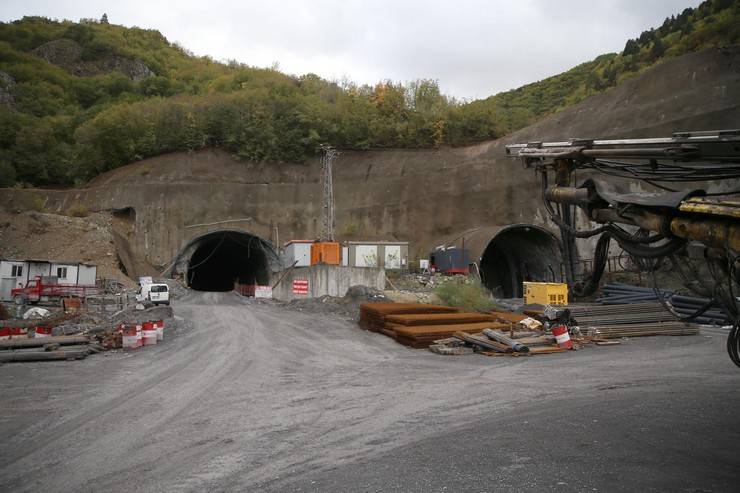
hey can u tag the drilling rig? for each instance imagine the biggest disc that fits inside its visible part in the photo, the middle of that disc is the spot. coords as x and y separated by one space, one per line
679 219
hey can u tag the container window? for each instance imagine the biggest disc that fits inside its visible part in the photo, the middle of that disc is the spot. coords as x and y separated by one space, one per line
62 272
17 271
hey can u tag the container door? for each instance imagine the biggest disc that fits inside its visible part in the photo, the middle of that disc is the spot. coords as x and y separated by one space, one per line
366 256
393 257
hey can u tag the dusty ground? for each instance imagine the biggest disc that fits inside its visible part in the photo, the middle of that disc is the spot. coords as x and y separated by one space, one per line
257 396
38 235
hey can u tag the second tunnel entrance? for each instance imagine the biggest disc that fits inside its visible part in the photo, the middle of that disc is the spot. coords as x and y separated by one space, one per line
522 252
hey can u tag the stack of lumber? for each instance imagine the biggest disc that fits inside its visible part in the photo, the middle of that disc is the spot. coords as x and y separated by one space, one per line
372 315
420 330
422 336
47 348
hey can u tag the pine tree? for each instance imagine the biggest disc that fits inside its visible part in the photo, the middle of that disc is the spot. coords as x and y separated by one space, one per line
104 19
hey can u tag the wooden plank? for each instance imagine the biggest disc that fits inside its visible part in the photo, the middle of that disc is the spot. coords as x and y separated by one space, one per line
441 331
42 341
534 341
483 342
546 350
508 316
440 318
388 332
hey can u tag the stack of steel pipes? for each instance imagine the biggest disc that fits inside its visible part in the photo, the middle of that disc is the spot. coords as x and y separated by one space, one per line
644 329
620 294
639 319
619 315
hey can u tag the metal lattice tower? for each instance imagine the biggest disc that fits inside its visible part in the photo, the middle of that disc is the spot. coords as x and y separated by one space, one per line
327 223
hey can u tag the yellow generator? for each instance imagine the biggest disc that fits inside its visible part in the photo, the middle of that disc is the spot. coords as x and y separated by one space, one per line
545 293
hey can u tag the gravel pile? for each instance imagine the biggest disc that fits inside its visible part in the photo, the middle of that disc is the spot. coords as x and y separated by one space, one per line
347 306
132 315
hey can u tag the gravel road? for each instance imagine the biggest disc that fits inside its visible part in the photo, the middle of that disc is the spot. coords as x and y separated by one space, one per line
253 396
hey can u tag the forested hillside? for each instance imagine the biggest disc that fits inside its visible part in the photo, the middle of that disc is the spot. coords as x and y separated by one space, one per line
77 99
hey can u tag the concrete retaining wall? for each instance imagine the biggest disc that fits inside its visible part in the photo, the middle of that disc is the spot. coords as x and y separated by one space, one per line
332 280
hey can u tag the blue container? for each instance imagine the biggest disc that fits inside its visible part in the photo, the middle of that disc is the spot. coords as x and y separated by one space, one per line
452 260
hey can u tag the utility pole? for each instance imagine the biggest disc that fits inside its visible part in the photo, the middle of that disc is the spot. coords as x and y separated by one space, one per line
327 223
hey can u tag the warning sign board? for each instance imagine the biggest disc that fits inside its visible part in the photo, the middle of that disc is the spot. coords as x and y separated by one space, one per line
300 286
263 292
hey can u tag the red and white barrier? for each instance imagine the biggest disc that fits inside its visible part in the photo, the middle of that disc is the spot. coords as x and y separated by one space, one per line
149 333
129 338
562 337
43 332
159 324
4 333
18 332
139 336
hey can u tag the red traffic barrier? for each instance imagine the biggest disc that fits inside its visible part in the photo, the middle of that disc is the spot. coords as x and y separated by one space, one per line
562 337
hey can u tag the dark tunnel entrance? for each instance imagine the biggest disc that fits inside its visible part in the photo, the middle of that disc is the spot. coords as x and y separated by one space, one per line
222 259
520 253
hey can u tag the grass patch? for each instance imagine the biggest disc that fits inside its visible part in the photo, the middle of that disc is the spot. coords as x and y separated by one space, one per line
465 293
38 204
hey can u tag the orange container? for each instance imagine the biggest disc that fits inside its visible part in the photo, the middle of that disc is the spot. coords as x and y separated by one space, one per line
328 252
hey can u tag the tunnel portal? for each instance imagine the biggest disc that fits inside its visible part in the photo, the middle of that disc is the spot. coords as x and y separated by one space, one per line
520 253
220 260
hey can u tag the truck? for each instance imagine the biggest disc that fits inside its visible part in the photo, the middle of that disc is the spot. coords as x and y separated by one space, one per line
156 293
48 289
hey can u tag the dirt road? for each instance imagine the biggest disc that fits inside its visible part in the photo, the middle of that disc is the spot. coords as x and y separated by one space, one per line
256 396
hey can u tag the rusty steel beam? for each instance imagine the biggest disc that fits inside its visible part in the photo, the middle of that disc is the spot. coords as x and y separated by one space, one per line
568 195
713 207
716 233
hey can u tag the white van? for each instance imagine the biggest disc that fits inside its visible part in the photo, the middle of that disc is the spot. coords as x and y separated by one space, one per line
159 294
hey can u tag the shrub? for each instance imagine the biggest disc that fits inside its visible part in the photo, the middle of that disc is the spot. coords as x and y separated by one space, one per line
78 210
34 202
465 293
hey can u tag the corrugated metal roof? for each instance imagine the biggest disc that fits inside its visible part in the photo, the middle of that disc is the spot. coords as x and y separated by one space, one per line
37 261
298 241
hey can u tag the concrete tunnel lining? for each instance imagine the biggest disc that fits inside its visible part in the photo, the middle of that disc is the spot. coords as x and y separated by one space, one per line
518 253
218 260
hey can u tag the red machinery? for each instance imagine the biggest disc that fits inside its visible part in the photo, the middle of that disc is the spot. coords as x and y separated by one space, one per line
36 290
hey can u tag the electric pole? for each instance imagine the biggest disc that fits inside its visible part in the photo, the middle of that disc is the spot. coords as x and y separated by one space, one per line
327 223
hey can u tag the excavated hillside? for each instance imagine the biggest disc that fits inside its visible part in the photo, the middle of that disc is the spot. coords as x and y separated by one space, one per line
423 196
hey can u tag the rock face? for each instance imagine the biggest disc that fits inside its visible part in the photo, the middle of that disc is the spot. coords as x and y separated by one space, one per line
6 86
424 196
67 54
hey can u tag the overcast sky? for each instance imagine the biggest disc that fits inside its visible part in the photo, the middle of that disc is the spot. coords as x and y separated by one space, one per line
475 48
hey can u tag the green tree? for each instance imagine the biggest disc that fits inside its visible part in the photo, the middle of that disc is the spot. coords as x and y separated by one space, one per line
631 48
657 50
7 173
